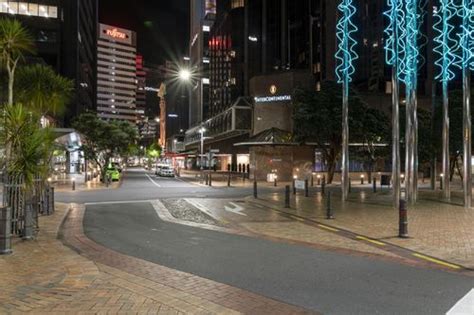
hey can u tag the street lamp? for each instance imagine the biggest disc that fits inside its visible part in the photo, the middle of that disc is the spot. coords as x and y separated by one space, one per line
184 74
202 131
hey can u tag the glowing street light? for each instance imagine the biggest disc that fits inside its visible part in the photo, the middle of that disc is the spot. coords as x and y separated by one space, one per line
184 74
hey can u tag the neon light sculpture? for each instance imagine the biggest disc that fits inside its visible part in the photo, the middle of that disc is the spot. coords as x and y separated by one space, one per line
466 41
345 57
445 44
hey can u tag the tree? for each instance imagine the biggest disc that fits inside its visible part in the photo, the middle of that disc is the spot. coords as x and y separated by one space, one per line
15 41
39 88
318 116
29 147
102 140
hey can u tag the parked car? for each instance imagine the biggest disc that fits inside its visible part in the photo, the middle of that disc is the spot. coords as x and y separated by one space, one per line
166 171
113 173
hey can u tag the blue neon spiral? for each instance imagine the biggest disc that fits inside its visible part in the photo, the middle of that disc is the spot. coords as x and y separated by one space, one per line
445 43
466 36
410 41
345 29
395 32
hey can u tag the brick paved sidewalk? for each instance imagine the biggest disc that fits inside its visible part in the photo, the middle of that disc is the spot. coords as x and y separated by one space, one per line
44 276
437 229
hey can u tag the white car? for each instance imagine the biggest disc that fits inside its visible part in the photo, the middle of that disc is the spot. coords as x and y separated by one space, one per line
166 171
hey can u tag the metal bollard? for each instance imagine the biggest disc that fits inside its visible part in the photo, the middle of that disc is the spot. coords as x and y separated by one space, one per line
207 179
73 184
323 186
275 182
329 215
287 196
210 179
362 180
319 180
29 221
403 220
350 185
441 183
374 185
255 195
5 231
312 180
306 188
294 187
228 179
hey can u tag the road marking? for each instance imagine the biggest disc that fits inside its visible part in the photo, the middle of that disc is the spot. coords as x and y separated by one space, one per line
464 306
328 228
363 238
116 202
203 209
151 179
235 209
437 261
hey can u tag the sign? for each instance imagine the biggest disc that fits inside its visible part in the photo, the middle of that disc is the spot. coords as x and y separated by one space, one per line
214 150
270 99
236 209
121 35
299 184
273 89
115 33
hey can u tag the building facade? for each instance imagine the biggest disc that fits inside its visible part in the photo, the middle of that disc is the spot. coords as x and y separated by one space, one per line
203 13
116 74
65 38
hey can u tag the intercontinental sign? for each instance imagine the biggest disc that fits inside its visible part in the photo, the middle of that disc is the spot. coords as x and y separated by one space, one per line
270 99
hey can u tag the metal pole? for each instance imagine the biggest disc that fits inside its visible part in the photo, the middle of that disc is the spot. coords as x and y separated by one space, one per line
467 141
395 137
408 146
202 155
287 196
345 140
446 171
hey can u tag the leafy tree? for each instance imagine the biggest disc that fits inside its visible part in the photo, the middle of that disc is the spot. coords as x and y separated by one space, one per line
41 89
103 140
29 147
318 116
15 41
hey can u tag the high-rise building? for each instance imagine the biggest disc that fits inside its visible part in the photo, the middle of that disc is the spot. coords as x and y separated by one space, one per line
141 85
203 13
65 38
116 74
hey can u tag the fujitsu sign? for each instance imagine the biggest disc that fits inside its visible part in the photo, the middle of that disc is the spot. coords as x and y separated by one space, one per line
115 33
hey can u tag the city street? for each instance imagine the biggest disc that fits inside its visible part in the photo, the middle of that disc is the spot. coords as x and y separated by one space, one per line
320 280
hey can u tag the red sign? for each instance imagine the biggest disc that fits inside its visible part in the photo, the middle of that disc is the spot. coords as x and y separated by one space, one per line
115 33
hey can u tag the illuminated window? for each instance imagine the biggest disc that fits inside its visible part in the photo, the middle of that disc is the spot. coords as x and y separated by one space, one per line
53 12
3 6
43 11
23 8
13 7
33 9
237 4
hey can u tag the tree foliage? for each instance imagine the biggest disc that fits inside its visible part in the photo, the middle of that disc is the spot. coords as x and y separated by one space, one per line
39 88
15 42
318 118
103 140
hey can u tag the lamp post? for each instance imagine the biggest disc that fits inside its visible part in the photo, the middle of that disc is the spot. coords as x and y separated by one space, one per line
202 131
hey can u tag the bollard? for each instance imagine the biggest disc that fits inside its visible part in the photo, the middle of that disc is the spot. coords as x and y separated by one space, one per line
329 215
287 196
51 200
362 179
350 185
306 188
294 187
312 180
441 183
275 182
73 184
323 186
319 180
403 220
207 179
228 178
5 231
374 185
28 229
255 195
210 179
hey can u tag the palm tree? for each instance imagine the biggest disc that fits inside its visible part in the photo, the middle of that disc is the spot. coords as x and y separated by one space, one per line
15 41
40 89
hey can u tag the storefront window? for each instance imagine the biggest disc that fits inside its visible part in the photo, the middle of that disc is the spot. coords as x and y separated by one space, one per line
26 8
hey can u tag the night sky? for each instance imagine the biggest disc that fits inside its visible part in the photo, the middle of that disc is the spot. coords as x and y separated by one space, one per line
162 26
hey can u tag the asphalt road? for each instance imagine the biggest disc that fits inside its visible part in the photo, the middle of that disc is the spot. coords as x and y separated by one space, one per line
319 280
137 185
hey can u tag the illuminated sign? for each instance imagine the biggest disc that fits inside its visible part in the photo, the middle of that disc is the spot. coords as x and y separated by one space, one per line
269 99
273 89
115 33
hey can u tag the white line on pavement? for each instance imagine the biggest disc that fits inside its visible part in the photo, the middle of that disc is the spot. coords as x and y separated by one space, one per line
151 179
464 306
116 202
